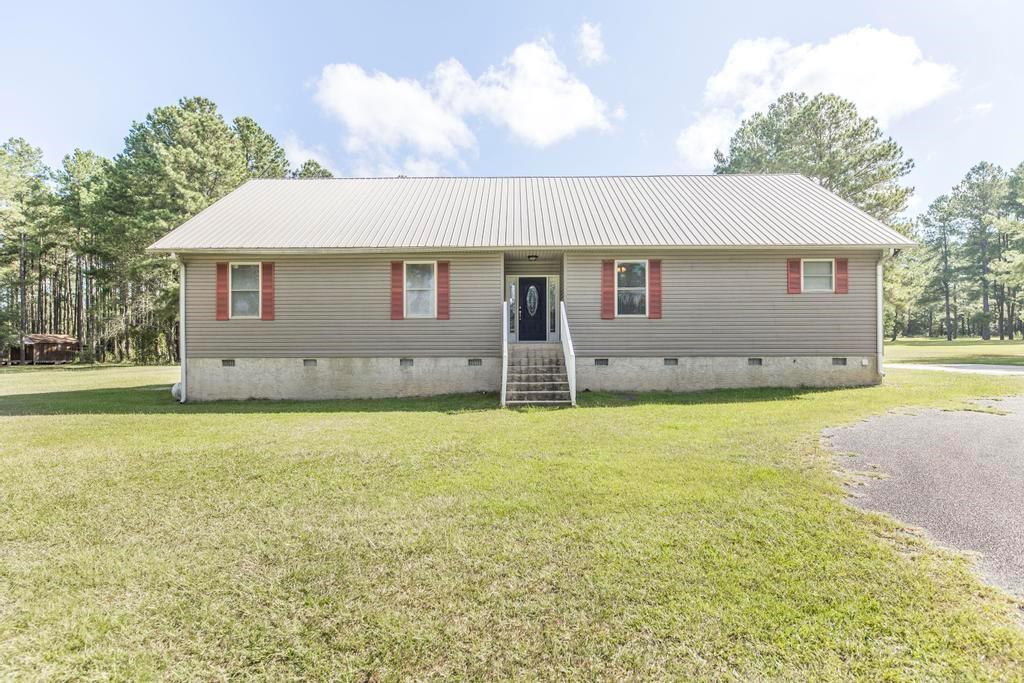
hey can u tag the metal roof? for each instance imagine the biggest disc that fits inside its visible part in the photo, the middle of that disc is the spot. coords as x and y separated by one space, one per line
532 212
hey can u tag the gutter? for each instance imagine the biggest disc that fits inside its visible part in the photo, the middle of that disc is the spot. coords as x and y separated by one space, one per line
315 251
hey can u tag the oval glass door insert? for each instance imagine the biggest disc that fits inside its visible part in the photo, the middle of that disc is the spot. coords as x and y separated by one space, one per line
532 300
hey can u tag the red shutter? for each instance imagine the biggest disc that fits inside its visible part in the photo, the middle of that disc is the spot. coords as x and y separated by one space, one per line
397 291
607 290
654 289
444 292
842 276
267 291
793 280
222 291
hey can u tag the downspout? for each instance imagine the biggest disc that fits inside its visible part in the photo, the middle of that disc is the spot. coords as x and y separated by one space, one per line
182 354
880 315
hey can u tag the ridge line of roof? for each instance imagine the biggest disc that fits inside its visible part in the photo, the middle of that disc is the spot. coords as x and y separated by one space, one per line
537 177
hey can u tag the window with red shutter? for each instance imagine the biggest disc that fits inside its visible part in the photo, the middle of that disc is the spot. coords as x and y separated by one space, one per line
608 289
267 291
654 289
397 290
842 276
443 290
793 276
222 291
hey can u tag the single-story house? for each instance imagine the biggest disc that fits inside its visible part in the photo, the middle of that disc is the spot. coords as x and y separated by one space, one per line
45 348
534 287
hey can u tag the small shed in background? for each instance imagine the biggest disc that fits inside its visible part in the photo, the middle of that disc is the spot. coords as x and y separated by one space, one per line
46 348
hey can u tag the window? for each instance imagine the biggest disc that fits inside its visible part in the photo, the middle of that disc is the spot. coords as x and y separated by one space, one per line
630 288
245 290
420 294
818 275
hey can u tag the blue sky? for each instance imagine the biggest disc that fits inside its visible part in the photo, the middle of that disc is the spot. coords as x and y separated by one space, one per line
519 88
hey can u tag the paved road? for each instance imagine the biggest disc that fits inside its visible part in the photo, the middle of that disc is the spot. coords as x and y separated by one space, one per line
957 475
970 368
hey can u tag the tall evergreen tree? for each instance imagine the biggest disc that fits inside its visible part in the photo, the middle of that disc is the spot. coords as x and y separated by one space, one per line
823 138
979 200
264 158
941 237
312 169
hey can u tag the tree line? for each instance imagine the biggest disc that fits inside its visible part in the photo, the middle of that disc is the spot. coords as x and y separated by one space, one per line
73 239
967 276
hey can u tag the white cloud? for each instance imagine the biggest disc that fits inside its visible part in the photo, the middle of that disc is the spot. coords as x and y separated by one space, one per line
299 153
884 74
590 44
983 108
385 113
531 93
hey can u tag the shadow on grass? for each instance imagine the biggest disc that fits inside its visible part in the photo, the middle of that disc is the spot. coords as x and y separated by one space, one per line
156 399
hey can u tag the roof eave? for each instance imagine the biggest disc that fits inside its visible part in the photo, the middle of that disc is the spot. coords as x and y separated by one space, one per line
520 247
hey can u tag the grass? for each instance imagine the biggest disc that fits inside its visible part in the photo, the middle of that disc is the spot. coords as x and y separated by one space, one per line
924 350
648 537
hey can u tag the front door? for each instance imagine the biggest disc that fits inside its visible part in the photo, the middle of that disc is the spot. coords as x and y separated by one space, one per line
532 309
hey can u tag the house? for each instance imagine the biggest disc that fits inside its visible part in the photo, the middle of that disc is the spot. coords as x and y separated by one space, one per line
534 287
45 348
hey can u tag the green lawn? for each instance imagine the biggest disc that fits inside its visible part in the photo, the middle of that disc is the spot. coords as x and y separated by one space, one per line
645 537
923 350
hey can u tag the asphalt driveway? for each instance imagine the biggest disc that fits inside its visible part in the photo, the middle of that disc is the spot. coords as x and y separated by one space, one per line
958 475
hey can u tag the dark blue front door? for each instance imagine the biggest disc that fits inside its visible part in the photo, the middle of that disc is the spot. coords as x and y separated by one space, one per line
532 309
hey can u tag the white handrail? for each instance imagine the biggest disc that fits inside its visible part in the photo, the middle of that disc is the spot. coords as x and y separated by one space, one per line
504 350
568 352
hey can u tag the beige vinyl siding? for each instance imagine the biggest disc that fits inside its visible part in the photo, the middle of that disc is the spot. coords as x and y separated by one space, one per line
722 303
340 306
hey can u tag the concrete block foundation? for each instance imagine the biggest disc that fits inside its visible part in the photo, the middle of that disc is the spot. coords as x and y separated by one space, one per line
211 379
723 372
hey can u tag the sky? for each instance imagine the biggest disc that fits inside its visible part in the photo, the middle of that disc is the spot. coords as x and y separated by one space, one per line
523 88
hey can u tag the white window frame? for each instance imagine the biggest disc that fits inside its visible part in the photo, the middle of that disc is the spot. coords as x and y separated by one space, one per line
405 291
647 288
231 290
803 286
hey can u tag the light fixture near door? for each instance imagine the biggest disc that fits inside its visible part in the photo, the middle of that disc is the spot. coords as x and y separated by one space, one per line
531 257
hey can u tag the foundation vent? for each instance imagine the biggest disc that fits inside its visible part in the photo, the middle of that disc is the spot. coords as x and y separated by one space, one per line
756 362
405 362
228 363
671 361
476 362
309 362
600 361
838 361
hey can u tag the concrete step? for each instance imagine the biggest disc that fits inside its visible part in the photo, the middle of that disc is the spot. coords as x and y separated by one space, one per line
537 396
537 378
566 402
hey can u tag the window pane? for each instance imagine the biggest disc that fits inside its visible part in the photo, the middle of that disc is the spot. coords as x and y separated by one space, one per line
245 303
419 276
245 277
632 275
818 283
817 268
632 302
419 302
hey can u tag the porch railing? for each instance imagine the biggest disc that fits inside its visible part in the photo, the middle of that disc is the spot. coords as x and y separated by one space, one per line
567 351
504 350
